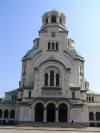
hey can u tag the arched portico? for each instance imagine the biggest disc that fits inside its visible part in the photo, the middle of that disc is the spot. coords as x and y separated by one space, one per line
51 112
62 113
39 109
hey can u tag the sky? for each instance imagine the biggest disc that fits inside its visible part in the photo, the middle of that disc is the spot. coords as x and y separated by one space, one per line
20 21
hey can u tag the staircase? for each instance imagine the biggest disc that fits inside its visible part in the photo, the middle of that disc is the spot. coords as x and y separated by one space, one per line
51 124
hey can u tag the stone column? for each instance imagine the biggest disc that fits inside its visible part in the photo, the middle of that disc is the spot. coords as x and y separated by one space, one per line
45 115
33 114
56 119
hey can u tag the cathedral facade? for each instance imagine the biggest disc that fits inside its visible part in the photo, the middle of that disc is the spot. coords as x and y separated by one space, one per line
52 87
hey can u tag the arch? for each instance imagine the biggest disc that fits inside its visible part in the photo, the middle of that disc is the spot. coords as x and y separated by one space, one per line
53 19
51 112
12 114
46 79
6 113
62 112
98 116
0 113
51 78
91 116
57 79
39 110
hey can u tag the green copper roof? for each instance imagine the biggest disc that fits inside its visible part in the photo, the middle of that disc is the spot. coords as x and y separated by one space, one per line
90 92
30 51
29 84
72 85
75 52
7 102
13 91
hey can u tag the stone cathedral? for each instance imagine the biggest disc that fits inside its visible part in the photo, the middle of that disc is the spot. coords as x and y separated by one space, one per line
52 87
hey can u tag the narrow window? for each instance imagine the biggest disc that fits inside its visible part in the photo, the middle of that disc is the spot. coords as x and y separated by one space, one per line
56 45
68 43
52 45
12 97
92 99
48 45
51 78
60 20
57 79
89 99
53 19
15 97
29 94
53 34
73 95
46 79
0 113
46 20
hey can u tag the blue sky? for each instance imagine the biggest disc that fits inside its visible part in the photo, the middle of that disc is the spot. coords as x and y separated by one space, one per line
20 21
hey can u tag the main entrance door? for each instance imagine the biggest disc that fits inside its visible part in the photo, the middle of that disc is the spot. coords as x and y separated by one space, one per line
51 112
62 113
39 112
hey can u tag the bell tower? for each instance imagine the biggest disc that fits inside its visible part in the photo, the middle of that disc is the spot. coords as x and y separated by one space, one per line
55 19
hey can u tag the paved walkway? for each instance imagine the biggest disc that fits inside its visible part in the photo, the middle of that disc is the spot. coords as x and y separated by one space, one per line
14 129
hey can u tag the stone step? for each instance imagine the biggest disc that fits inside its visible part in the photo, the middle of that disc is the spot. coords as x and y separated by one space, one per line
51 124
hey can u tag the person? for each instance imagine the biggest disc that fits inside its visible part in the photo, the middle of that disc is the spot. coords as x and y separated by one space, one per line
72 121
6 122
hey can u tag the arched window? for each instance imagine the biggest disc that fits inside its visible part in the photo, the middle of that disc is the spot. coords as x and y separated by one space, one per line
46 79
46 20
98 116
73 95
53 19
29 94
51 78
12 114
6 113
57 79
89 99
92 99
56 45
91 116
0 113
48 45
52 45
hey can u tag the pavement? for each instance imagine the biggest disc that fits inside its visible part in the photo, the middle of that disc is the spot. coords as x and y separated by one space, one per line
15 129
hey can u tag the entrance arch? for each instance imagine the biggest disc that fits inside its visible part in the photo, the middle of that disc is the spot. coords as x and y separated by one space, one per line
51 112
39 109
62 112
